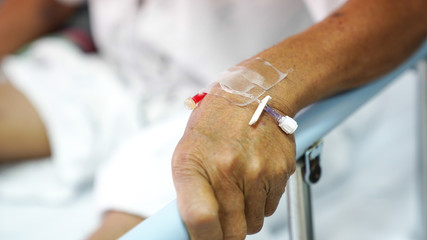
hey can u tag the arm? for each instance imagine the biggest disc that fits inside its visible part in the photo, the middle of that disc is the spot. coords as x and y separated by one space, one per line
354 45
228 176
20 126
115 224
22 21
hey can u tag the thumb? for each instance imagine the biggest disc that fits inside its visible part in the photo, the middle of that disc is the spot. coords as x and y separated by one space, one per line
197 204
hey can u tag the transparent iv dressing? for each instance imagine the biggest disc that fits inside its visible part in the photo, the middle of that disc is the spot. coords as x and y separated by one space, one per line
241 85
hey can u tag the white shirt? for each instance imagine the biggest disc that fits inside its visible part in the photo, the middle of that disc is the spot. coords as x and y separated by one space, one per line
197 39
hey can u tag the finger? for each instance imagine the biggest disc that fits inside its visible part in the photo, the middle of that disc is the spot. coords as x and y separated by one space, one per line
273 197
198 206
231 212
255 208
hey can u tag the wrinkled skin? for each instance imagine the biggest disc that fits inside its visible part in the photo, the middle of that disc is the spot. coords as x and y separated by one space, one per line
229 175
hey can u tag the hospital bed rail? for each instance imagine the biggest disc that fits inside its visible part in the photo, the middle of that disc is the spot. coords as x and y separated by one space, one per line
314 123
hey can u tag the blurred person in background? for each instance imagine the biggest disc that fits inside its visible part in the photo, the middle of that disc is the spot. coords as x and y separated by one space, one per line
153 54
62 110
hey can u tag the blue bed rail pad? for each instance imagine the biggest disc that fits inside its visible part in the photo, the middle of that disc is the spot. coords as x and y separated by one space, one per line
164 225
314 123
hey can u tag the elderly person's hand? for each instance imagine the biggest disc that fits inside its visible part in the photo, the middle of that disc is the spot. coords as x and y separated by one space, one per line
229 175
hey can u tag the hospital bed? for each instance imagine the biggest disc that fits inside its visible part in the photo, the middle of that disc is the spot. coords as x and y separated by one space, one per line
314 123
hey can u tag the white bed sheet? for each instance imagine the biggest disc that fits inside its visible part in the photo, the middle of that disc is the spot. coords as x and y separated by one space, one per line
72 221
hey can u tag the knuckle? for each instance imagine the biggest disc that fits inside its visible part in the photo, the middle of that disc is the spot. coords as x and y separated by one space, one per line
284 169
255 171
229 159
199 217
283 165
291 167
226 164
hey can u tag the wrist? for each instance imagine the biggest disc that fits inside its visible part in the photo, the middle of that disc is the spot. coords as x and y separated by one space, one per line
284 98
216 112
221 102
247 83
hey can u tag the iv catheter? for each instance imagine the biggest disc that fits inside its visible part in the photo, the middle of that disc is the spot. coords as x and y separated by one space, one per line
286 123
192 102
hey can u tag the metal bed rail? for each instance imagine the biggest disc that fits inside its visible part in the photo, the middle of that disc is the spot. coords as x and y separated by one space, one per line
422 141
314 123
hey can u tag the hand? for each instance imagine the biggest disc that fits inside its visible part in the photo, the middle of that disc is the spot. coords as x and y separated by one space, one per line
229 175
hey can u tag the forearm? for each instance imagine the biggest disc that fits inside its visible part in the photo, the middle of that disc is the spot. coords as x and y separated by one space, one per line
22 21
353 46
114 225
